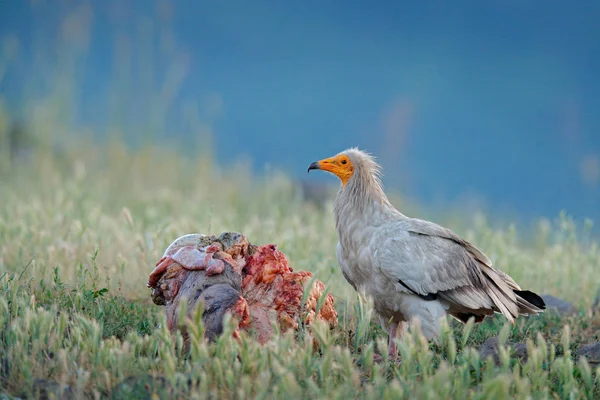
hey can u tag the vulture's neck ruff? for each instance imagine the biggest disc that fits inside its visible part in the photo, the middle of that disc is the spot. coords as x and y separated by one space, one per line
361 200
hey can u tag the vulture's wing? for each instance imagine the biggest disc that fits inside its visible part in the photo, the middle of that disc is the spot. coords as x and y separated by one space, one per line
431 261
421 227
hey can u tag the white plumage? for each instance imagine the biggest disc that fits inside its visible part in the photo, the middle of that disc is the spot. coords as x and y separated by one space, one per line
410 267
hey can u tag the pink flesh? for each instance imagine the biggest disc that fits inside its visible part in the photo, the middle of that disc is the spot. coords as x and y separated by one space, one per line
189 257
213 248
215 267
260 323
161 267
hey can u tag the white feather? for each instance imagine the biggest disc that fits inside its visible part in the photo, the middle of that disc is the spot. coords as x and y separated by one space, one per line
399 261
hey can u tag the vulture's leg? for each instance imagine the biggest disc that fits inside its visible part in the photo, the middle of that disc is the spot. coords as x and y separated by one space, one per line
393 334
395 331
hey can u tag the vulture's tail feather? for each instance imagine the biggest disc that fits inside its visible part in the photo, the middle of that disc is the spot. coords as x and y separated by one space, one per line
531 298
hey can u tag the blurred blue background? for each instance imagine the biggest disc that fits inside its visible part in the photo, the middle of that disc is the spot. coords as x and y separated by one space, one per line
487 103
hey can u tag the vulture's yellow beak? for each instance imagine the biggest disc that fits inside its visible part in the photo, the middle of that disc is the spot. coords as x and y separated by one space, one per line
340 166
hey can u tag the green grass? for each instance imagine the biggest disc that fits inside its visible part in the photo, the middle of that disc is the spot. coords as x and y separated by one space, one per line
81 227
80 233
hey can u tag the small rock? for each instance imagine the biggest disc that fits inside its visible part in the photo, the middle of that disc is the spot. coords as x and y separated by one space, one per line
561 306
591 352
490 348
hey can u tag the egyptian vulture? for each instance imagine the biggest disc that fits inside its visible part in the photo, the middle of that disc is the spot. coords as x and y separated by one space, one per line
410 267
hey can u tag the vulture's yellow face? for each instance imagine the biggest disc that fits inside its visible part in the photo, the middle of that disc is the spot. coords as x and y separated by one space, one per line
340 165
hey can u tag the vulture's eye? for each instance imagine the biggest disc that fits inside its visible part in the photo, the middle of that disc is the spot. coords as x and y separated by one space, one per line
344 161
